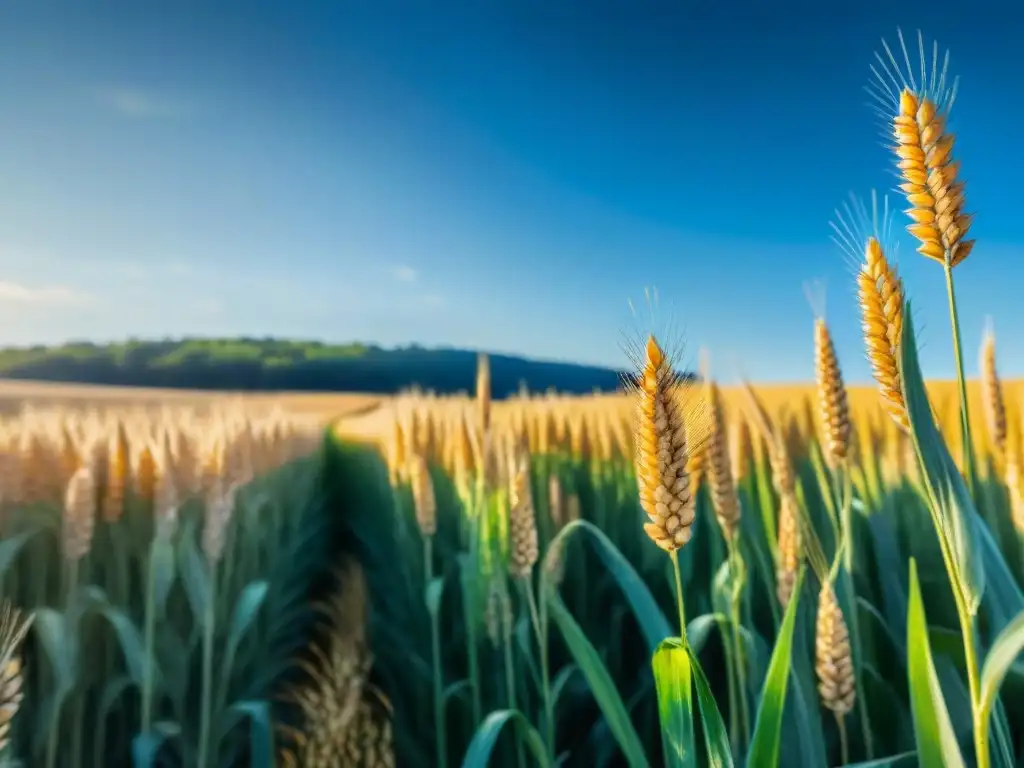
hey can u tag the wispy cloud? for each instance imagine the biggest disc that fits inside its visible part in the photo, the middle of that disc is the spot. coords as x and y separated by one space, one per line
51 295
404 274
432 300
136 102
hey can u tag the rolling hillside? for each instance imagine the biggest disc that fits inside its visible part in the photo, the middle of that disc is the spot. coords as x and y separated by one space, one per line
266 365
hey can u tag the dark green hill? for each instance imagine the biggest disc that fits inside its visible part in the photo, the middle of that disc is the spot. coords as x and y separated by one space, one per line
276 364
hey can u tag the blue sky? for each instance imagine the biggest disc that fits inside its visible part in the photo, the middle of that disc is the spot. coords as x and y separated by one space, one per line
504 176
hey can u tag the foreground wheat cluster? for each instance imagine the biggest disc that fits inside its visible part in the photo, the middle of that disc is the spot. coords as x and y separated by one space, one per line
142 550
821 577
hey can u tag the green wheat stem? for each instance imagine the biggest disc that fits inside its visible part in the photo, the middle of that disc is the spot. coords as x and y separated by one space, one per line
209 623
469 604
844 741
540 632
51 746
846 515
737 638
440 737
967 446
966 622
679 594
510 673
149 640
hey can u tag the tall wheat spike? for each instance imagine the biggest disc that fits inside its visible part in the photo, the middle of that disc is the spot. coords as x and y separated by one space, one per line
918 110
13 628
424 502
834 404
833 658
522 523
992 395
880 294
790 547
79 515
1014 474
662 453
724 497
741 448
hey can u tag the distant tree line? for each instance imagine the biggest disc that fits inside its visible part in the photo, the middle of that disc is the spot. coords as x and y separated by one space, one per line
251 364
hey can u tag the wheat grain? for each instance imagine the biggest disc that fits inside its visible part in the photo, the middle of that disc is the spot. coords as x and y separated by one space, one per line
13 629
424 500
833 659
724 498
662 454
924 151
79 515
789 547
522 524
992 395
834 404
741 448
880 294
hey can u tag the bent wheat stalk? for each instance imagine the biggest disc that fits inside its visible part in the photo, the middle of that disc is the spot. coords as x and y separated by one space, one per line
918 113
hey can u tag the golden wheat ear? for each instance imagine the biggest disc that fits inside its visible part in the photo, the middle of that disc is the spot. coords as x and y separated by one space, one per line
915 108
992 394
662 449
13 628
833 402
724 497
865 239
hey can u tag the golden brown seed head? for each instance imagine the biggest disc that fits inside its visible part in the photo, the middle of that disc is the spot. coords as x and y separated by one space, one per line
79 514
573 510
145 474
661 454
833 402
992 395
483 391
522 525
423 497
924 151
723 488
118 475
497 612
833 659
217 517
790 548
556 500
1014 474
397 452
741 448
880 294
13 629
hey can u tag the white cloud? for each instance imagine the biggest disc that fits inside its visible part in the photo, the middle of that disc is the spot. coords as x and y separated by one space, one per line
136 103
404 274
16 293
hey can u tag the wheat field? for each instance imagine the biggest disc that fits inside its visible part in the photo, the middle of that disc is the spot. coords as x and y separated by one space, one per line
681 575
